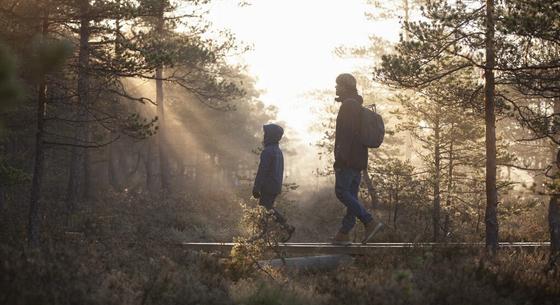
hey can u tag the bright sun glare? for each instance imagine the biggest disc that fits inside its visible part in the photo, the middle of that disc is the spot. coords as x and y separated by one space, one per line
293 43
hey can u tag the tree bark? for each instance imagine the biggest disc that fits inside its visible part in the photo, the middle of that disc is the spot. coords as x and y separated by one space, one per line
437 177
33 227
112 157
163 157
491 217
78 161
554 203
449 199
406 18
83 92
478 216
396 204
389 206
554 228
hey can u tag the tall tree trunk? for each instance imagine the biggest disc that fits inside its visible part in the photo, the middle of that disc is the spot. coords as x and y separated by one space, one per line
406 35
78 163
389 206
554 228
449 199
478 215
83 92
33 227
406 9
554 203
112 164
162 143
72 190
437 177
87 182
491 217
112 157
396 204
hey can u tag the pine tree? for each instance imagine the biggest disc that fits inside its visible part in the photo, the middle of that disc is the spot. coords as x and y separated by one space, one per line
531 68
450 45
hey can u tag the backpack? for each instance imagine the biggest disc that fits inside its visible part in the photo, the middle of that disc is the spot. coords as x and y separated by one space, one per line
372 128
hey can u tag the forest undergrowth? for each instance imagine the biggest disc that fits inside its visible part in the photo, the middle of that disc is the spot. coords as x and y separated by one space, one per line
123 249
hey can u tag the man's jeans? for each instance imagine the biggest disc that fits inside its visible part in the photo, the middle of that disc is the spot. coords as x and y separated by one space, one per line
346 189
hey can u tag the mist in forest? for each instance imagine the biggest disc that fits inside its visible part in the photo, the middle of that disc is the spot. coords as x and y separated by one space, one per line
131 132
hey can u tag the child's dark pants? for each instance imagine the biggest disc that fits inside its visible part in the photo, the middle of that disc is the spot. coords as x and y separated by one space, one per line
267 201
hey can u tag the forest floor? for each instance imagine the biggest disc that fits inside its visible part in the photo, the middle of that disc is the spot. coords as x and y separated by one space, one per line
122 249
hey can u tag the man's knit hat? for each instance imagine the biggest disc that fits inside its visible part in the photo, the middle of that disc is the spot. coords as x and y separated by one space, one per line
346 80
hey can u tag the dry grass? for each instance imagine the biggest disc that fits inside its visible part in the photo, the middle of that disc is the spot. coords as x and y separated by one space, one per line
122 251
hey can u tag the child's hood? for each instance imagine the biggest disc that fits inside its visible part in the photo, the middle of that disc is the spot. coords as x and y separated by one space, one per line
272 133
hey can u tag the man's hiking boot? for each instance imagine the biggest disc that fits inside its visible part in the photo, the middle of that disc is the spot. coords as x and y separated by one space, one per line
289 232
342 239
372 228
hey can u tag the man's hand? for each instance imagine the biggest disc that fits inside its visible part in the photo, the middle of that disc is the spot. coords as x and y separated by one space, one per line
256 194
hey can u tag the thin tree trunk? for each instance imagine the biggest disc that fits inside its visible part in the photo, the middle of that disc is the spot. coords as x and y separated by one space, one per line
449 199
112 157
478 216
163 158
406 35
72 192
406 18
371 190
554 203
437 182
389 207
33 227
78 160
396 204
554 227
84 96
112 172
163 161
88 187
491 217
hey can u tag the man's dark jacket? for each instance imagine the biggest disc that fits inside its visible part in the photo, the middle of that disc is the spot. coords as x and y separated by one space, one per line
271 167
349 152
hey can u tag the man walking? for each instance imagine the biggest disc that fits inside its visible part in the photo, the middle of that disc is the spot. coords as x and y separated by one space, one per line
351 157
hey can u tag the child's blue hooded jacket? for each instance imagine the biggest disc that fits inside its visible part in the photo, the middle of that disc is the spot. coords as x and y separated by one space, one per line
271 167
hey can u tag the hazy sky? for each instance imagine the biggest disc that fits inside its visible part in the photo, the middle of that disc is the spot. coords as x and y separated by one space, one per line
293 43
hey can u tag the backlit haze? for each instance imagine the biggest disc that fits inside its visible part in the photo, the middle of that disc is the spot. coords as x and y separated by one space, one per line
292 49
292 54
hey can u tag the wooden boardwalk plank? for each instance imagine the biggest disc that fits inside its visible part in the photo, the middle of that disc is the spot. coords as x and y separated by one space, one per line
358 248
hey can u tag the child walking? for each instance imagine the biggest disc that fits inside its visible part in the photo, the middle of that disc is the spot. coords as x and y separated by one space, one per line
268 181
